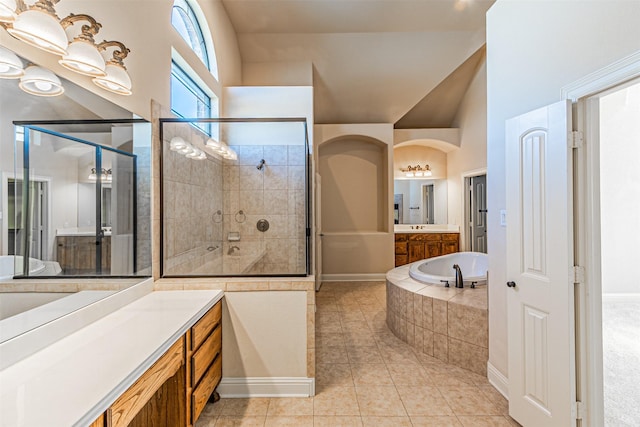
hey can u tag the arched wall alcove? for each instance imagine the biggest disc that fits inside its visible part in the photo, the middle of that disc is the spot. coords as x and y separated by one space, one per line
355 187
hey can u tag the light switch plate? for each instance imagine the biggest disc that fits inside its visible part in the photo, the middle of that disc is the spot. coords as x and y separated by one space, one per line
503 217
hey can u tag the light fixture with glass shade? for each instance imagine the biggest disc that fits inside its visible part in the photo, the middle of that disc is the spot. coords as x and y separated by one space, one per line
181 146
106 175
83 56
10 65
116 79
416 171
8 10
40 81
39 26
221 149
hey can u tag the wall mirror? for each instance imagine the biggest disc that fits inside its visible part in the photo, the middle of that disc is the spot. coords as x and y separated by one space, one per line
75 197
420 201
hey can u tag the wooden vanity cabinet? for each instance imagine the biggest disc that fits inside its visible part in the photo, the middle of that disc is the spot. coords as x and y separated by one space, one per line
411 247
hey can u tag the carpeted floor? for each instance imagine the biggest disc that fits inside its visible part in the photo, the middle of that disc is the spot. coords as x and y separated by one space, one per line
621 354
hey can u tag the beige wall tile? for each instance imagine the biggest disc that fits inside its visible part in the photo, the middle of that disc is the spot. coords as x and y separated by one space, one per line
468 356
441 347
427 313
427 347
440 316
468 324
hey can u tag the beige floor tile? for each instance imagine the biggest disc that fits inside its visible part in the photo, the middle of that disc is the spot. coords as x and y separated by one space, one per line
331 354
468 401
423 401
334 375
337 421
329 338
370 374
206 420
214 408
329 327
484 421
386 422
293 421
336 401
401 355
408 374
496 398
360 338
440 421
352 316
288 406
245 407
239 421
364 354
380 401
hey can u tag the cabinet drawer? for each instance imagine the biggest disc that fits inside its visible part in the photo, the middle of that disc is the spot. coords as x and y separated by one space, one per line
207 352
450 237
209 321
401 237
125 408
201 394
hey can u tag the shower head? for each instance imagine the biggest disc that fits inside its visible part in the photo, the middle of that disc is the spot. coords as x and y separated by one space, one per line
260 165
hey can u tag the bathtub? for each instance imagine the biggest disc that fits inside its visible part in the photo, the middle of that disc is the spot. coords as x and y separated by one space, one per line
8 263
473 265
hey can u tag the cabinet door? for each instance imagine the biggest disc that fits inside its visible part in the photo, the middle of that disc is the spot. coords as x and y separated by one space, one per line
402 260
432 249
416 251
449 247
401 248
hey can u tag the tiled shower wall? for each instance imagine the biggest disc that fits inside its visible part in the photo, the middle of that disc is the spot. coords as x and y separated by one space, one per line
192 194
275 193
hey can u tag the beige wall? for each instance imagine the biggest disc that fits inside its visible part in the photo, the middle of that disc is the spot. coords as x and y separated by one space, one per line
471 119
532 52
355 164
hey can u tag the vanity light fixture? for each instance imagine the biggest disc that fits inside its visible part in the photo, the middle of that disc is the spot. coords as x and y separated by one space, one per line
116 78
416 171
106 175
39 26
40 81
8 10
83 56
10 65
221 149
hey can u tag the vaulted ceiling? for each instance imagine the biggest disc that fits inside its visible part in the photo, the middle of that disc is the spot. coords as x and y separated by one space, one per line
373 60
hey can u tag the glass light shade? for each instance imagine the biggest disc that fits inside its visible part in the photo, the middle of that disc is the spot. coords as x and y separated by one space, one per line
116 80
41 30
230 155
83 57
428 173
41 82
197 154
177 143
215 145
8 10
10 65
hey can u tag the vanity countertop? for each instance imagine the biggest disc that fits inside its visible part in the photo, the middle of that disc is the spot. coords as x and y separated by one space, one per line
426 228
71 382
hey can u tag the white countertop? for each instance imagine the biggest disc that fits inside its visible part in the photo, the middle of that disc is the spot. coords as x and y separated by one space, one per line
74 380
426 228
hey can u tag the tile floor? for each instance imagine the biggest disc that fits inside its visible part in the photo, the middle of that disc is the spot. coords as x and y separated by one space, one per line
365 376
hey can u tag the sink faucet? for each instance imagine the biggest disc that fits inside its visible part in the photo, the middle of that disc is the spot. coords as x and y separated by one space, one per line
232 250
459 281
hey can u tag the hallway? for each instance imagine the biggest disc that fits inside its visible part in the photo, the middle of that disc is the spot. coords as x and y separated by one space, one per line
365 376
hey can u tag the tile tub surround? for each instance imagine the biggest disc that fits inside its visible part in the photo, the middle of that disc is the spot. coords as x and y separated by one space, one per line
449 324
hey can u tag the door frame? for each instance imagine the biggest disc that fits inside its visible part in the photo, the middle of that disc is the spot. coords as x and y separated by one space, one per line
6 176
589 358
465 236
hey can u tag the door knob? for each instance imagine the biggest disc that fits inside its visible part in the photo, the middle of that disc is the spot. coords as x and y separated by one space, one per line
511 284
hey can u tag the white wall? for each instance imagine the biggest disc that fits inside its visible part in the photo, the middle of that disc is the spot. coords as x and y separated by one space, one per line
471 119
620 189
534 48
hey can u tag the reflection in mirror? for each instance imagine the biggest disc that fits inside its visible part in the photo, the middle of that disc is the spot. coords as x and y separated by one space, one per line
420 201
56 196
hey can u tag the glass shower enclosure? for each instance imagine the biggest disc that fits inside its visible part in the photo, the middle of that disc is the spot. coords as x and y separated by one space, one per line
235 197
73 204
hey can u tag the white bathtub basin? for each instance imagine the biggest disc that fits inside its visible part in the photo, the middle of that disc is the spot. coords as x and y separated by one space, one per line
8 264
439 270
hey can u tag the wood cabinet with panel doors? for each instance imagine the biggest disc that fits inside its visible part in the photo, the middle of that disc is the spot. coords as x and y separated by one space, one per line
411 247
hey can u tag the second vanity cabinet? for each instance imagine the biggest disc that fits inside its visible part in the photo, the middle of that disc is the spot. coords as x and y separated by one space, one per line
411 247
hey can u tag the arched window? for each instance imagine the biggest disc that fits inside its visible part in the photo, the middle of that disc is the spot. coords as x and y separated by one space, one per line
186 23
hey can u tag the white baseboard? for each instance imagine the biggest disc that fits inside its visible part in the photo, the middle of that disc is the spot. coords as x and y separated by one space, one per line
371 277
499 381
267 387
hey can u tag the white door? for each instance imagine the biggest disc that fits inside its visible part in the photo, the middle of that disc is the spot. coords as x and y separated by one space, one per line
539 259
